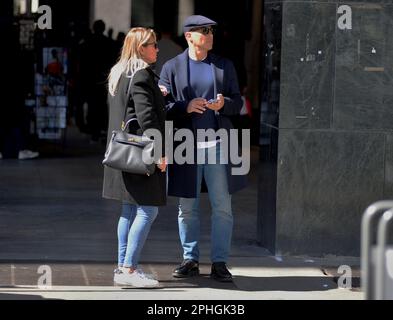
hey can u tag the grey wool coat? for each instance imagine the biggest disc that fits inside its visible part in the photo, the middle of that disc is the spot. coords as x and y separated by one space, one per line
144 101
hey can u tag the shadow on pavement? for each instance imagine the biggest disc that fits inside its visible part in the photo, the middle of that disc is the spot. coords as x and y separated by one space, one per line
287 283
250 284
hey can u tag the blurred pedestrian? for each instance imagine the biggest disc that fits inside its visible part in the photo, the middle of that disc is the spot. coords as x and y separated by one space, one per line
14 116
168 50
97 57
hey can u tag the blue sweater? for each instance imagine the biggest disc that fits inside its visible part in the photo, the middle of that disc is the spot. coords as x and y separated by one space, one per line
202 86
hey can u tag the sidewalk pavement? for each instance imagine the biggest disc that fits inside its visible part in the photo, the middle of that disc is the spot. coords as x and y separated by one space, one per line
255 278
52 213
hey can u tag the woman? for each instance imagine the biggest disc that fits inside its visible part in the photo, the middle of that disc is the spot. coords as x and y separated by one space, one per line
134 94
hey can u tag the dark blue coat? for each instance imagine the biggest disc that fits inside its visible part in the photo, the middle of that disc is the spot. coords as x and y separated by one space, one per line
174 76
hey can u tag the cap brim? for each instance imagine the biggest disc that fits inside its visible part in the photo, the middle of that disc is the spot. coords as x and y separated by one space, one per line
186 29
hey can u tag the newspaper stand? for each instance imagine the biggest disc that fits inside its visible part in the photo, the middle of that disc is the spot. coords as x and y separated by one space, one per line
51 97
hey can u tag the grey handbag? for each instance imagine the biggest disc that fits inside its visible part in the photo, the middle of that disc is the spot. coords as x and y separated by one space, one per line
130 153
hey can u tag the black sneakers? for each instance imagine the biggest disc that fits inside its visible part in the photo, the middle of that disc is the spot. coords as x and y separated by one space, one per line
187 269
220 272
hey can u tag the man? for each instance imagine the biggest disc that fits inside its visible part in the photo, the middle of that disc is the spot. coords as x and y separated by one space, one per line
189 80
96 60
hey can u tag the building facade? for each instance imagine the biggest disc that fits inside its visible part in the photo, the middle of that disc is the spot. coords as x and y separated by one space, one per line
328 111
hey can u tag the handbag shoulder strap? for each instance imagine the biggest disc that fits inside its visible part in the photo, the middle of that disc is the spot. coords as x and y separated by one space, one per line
125 124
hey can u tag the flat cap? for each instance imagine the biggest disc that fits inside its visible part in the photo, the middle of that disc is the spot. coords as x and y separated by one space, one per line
196 21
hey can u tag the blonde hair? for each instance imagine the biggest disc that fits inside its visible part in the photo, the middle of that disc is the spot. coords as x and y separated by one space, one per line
130 60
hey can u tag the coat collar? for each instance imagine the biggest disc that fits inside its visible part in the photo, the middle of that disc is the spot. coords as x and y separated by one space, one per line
149 68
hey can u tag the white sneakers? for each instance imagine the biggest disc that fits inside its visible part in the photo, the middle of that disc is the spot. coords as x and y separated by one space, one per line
27 154
136 279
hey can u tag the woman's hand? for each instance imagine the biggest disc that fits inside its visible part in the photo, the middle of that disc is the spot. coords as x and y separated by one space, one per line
162 163
164 90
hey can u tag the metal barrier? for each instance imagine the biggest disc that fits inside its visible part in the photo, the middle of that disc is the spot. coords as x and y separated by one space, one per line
377 257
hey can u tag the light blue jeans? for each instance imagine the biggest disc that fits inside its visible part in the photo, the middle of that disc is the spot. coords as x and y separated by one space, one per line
222 220
132 231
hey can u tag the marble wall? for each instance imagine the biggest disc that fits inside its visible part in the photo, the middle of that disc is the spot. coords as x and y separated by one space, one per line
335 120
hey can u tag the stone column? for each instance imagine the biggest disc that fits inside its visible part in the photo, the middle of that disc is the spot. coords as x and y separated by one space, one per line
253 49
186 8
142 13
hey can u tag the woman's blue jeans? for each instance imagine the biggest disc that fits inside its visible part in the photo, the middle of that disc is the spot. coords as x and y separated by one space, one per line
132 231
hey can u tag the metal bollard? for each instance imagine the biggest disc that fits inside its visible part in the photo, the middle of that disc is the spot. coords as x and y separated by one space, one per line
383 227
369 224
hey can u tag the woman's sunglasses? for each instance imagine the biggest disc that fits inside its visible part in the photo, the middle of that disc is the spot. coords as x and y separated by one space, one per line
155 44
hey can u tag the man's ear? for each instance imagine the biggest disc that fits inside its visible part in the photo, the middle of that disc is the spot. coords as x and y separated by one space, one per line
188 36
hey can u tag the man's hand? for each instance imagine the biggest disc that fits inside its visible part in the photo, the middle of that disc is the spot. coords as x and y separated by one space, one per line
218 105
197 105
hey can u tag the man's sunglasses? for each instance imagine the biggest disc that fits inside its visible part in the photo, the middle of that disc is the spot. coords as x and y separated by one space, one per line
204 30
155 44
